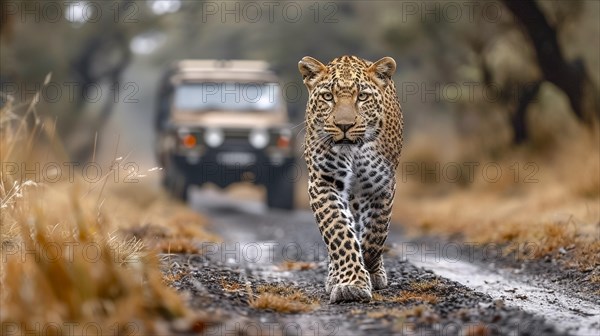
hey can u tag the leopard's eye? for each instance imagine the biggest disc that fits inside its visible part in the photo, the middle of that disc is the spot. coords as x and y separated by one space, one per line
363 96
327 96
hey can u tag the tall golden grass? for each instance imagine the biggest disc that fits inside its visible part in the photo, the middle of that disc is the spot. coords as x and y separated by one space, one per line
66 265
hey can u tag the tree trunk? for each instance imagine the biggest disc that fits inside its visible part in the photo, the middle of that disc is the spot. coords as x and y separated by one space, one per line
519 118
570 77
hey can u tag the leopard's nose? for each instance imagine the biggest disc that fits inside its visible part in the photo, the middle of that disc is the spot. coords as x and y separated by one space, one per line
344 127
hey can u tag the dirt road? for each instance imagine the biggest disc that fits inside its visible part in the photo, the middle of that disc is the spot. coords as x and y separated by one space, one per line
426 295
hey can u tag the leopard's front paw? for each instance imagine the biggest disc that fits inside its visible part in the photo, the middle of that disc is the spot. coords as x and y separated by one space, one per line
332 279
350 293
379 279
329 283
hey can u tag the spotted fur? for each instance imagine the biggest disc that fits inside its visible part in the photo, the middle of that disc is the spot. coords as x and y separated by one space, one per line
352 148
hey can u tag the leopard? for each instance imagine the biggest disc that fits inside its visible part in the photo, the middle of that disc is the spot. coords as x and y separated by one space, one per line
352 146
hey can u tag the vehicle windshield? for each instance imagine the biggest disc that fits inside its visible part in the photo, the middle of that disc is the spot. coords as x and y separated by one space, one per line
226 96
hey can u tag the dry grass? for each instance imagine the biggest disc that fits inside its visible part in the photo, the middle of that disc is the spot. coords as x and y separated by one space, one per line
478 329
170 227
399 317
231 286
425 286
418 313
560 210
595 278
420 292
387 313
282 299
45 288
65 263
171 277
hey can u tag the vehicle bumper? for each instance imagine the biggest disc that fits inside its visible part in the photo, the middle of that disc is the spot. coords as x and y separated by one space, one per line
222 168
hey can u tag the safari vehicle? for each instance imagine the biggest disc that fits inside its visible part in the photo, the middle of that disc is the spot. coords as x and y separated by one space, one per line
223 122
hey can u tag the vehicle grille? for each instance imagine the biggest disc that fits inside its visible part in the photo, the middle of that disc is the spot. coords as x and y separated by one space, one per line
236 134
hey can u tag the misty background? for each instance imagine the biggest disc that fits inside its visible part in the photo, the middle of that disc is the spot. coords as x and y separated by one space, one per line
475 79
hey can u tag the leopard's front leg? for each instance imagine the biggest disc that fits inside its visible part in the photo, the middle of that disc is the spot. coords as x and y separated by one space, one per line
348 279
372 206
373 238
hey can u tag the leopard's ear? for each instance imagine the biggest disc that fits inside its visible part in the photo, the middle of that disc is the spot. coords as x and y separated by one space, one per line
311 70
381 71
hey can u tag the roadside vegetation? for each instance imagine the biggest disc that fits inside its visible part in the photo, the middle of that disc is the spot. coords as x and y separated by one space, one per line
534 203
275 297
423 292
80 256
282 298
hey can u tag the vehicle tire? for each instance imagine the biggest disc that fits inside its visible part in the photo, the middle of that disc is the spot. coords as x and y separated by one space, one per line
176 184
280 191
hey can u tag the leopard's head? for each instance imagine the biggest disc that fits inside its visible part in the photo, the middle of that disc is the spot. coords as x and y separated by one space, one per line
346 97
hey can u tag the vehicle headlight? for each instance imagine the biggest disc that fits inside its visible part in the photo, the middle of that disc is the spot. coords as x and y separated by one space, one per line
214 137
259 138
